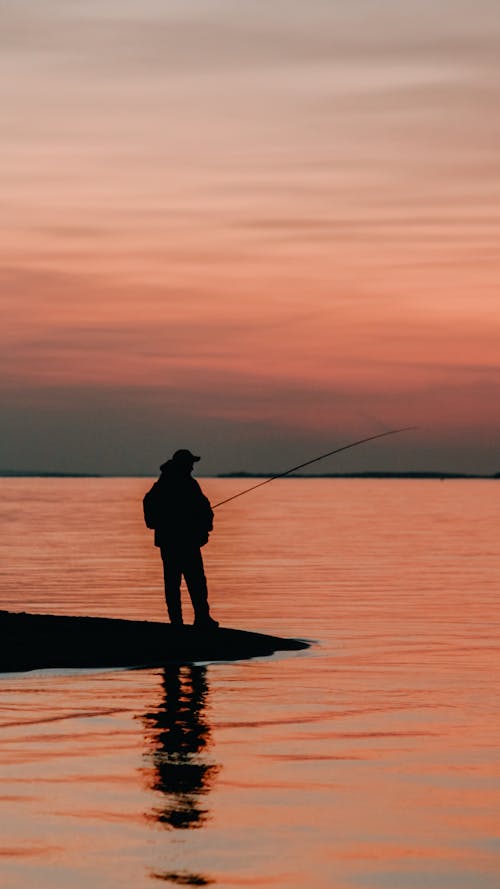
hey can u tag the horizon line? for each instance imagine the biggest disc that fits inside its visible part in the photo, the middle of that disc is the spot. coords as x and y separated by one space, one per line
371 474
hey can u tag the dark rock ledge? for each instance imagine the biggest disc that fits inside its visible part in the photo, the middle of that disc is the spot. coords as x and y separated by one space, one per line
34 641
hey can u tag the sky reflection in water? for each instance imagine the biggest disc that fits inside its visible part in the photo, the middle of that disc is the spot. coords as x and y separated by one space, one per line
369 760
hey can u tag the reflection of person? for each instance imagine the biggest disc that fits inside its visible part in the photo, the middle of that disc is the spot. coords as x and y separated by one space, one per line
179 737
182 518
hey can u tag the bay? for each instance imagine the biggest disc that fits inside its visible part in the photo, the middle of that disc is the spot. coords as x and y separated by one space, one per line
369 760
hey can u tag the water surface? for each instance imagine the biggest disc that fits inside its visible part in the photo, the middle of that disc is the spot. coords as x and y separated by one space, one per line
370 760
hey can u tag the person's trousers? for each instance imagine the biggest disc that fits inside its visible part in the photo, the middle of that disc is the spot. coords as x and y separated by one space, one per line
184 562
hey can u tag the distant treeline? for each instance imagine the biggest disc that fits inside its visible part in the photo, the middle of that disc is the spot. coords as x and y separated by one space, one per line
416 475
33 473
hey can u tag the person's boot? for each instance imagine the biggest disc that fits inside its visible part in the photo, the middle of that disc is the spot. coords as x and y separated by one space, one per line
177 623
205 622
174 609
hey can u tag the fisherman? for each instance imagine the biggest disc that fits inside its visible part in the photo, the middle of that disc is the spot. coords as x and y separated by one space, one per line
182 519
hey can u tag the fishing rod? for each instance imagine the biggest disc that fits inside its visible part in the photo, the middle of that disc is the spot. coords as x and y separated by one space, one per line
346 447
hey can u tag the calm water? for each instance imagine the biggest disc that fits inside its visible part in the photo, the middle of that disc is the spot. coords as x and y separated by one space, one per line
371 760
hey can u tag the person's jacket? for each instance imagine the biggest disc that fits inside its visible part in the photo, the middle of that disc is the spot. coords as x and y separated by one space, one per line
184 514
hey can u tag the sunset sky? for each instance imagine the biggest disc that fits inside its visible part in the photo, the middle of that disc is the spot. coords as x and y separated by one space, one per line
254 229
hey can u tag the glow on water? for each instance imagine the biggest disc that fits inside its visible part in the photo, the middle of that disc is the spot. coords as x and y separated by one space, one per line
370 760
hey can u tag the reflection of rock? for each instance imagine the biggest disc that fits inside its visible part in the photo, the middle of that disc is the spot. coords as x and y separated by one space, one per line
179 736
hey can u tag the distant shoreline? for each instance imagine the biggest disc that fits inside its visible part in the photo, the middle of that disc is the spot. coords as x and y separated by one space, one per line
440 476
369 474
33 473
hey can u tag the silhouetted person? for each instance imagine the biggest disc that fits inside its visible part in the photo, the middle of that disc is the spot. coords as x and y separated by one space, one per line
182 519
